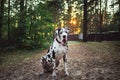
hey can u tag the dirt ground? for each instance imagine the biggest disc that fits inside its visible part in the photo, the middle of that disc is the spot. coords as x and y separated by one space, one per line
83 64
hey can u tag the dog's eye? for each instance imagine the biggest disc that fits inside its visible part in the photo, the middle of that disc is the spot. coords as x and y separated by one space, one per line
49 61
60 32
65 31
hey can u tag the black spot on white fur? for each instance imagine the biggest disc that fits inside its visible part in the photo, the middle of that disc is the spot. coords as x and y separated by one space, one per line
48 50
53 54
59 32
64 58
48 56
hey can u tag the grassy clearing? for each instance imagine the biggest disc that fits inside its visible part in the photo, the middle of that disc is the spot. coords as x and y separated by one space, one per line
74 42
105 46
17 56
9 58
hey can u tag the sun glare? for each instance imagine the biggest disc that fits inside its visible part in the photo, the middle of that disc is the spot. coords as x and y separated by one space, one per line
74 22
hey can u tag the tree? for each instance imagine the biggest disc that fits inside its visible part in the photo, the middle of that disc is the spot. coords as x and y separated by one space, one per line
1 17
101 21
26 23
21 27
55 7
119 14
116 18
9 20
85 22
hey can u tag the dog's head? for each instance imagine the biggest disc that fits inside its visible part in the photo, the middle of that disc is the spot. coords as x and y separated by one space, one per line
62 35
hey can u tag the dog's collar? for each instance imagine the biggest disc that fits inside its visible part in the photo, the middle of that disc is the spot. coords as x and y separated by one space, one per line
58 41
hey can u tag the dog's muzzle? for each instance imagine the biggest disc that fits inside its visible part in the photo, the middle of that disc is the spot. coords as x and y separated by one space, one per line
64 39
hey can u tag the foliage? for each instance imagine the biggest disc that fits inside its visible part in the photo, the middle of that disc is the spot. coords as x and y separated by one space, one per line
110 27
100 18
40 27
31 24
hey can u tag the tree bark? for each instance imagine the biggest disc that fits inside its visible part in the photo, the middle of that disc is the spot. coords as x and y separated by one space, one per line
119 16
85 22
8 20
1 17
101 22
21 27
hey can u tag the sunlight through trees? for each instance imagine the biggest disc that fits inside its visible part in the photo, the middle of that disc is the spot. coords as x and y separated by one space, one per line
28 22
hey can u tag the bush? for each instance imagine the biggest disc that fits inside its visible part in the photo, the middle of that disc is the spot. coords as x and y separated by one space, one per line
110 27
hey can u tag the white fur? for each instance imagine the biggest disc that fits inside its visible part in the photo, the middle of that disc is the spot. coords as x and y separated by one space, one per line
60 48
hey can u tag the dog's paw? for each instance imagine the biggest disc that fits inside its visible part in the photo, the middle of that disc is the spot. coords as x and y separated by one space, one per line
54 74
66 73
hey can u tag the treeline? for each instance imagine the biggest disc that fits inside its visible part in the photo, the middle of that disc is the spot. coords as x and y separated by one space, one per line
31 23
25 23
103 15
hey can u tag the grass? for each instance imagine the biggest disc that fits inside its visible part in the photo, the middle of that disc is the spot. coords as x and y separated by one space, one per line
17 56
105 46
74 42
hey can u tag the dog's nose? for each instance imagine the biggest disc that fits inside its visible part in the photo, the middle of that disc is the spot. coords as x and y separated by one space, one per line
64 36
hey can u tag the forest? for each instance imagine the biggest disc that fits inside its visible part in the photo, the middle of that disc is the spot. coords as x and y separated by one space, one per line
27 29
30 24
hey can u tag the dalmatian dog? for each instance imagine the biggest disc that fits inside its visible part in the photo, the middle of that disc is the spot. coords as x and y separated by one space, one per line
56 52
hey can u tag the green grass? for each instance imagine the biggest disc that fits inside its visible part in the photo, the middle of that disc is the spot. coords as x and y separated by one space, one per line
17 56
74 42
13 57
105 46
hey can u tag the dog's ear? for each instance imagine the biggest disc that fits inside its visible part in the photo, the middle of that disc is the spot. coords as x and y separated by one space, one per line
57 32
68 30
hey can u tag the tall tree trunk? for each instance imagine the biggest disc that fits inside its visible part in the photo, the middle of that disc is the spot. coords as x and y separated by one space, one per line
105 13
85 22
8 20
1 17
21 14
101 21
21 28
119 14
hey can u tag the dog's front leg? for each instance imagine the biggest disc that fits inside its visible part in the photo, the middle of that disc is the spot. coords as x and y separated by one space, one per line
65 65
54 64
54 68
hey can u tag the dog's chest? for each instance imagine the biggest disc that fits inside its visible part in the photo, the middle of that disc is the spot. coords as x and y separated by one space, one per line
62 49
60 52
